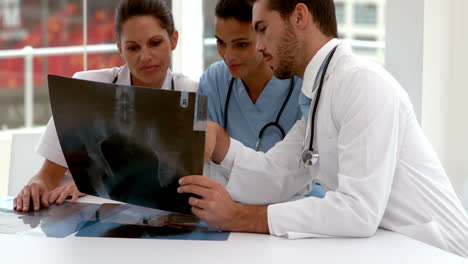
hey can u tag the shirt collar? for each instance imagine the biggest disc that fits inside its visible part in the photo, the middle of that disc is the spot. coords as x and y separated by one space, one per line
124 78
314 65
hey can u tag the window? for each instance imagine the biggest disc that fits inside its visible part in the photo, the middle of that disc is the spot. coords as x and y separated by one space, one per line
340 12
364 26
38 24
363 48
210 53
54 30
365 14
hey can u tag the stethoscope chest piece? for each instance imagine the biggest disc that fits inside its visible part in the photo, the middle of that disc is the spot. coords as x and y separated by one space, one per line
309 158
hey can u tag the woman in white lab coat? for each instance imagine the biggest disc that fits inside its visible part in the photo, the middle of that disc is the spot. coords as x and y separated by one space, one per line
146 38
375 163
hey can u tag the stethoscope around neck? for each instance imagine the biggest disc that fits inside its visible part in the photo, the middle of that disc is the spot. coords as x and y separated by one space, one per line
116 78
310 156
265 127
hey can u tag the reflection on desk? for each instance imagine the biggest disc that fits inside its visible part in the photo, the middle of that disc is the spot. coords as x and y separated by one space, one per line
125 221
105 220
57 221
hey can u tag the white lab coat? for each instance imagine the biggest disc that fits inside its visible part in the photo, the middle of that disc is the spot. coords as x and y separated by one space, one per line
377 167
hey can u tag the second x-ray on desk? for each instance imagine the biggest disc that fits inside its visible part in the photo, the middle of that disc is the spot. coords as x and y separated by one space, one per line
127 143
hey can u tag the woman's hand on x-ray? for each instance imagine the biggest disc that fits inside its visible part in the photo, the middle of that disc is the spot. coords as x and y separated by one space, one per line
61 193
32 197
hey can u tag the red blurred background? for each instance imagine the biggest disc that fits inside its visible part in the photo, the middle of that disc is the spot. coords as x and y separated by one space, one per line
49 23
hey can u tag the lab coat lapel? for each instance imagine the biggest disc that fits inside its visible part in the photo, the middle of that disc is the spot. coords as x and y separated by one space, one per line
124 76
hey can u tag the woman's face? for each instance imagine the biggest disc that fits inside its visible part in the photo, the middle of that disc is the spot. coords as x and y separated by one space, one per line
146 48
236 42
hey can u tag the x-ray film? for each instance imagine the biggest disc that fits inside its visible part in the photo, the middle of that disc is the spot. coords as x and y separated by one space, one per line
57 221
127 143
126 221
106 220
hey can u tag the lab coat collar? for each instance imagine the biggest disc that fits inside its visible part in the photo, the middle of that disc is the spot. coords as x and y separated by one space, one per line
124 76
125 79
313 67
167 82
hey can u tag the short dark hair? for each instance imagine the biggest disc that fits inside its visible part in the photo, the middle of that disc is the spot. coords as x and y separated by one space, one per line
240 10
133 8
323 12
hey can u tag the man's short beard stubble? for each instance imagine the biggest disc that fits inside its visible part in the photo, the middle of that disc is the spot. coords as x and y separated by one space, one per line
287 49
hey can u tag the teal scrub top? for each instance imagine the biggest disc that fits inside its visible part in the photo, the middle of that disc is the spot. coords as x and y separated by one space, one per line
246 119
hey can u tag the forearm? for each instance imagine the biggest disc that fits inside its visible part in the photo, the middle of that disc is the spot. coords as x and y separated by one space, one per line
252 219
50 175
223 142
41 178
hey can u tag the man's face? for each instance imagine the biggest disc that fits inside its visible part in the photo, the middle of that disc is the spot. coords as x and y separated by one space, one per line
276 40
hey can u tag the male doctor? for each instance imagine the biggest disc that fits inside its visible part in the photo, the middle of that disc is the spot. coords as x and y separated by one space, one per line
377 167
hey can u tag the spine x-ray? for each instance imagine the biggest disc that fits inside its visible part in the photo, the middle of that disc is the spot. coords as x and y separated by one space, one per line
127 143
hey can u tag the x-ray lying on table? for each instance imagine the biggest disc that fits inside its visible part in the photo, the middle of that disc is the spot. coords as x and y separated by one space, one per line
57 221
106 220
126 221
127 143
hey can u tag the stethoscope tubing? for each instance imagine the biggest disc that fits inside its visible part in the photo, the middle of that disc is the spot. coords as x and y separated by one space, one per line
271 124
317 100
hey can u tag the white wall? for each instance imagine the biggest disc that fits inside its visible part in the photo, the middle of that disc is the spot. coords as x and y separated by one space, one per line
426 52
5 143
404 29
437 64
458 95
188 56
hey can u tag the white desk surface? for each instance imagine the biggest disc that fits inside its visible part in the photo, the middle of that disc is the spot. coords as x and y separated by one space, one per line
384 247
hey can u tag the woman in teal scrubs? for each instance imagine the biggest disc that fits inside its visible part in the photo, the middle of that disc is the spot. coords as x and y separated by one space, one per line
245 98
256 96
